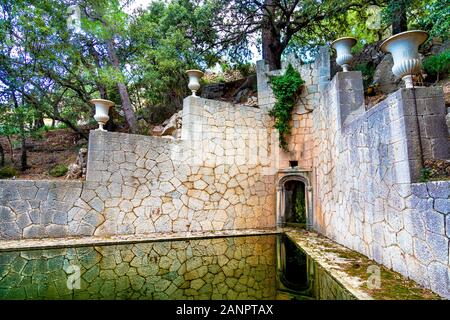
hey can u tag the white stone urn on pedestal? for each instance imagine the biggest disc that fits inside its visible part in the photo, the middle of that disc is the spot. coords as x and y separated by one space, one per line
343 48
101 111
194 80
404 48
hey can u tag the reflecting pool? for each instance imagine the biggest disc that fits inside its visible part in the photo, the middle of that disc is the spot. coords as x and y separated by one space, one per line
246 267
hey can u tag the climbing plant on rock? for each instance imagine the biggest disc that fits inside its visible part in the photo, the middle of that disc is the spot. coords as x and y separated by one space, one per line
285 89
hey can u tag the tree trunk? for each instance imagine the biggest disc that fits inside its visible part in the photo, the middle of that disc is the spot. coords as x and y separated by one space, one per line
124 96
39 121
100 86
11 149
271 42
70 125
2 156
23 156
399 20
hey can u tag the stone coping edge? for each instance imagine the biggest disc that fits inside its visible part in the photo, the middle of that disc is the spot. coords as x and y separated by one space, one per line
54 243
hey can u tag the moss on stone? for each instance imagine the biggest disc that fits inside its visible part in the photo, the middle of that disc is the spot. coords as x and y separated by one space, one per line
394 286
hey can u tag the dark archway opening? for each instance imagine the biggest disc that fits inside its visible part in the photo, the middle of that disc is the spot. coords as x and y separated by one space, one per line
295 202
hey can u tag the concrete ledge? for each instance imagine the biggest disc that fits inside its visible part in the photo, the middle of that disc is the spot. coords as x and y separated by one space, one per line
341 263
29 244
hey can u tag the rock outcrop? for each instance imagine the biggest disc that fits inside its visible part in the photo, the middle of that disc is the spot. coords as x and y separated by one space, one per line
383 77
78 170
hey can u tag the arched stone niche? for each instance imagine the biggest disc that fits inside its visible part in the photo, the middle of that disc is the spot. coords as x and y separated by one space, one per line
285 179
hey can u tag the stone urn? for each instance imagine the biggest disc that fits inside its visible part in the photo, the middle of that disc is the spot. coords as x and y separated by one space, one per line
343 48
101 111
404 48
194 80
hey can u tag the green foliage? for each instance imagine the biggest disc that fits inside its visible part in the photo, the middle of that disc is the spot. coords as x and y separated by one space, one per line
438 64
299 206
434 17
168 38
285 89
246 69
225 66
393 6
47 128
368 70
425 174
58 171
7 172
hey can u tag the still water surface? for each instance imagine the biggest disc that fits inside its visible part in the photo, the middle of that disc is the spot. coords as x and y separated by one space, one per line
249 267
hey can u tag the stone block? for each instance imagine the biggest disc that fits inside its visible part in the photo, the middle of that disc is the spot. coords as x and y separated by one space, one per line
60 218
442 205
422 251
439 189
447 227
8 191
27 193
419 190
20 206
10 231
23 221
34 232
434 221
6 215
405 242
438 245
56 231
438 274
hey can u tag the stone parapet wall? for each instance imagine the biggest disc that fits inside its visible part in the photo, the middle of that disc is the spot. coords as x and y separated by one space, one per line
365 173
218 176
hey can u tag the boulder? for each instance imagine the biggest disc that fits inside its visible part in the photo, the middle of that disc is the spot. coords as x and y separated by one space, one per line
78 169
74 172
157 130
214 91
383 77
172 126
446 88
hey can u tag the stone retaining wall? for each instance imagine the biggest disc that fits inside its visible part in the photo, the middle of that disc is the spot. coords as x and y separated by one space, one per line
366 169
216 177
38 209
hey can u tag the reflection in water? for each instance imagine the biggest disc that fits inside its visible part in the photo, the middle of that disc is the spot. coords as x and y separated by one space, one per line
294 274
219 268
301 278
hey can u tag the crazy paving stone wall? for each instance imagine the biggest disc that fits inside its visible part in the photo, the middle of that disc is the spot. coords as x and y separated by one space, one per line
366 172
222 268
216 177
37 209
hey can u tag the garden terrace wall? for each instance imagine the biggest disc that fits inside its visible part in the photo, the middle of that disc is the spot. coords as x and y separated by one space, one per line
39 209
216 177
366 169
